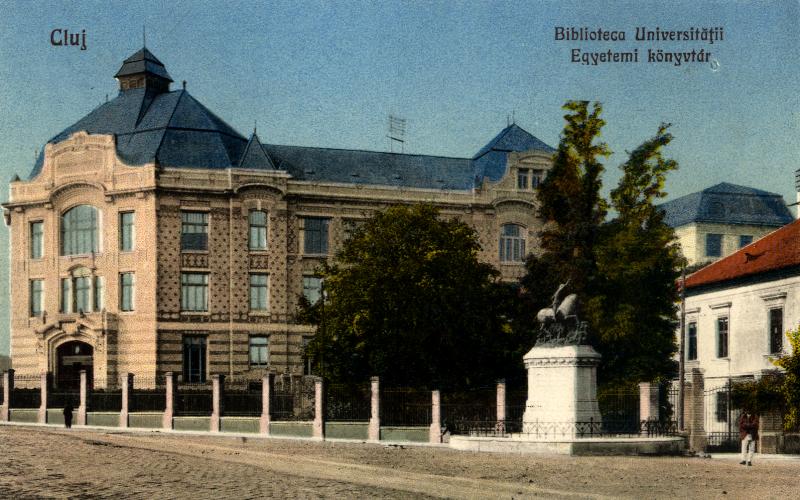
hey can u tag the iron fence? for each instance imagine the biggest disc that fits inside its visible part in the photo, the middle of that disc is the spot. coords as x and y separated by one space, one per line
722 431
347 403
193 403
99 400
469 413
59 399
295 405
148 400
620 410
241 403
405 407
26 398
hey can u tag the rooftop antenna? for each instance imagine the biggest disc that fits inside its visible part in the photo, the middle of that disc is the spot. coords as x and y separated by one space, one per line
255 126
397 132
513 117
144 37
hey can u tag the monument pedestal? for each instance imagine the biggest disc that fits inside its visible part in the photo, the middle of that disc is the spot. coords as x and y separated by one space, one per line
562 392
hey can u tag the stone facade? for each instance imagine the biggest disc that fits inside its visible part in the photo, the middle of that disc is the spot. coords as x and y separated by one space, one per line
149 340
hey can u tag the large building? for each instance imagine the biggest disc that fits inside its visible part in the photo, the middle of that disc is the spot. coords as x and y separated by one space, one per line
153 237
719 220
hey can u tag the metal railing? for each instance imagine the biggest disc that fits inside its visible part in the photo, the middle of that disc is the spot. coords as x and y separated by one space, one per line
148 400
26 398
104 400
193 403
347 403
241 403
405 407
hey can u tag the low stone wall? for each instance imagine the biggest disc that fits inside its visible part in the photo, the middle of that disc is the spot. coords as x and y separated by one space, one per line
347 430
412 434
26 415
103 419
240 424
292 429
145 420
55 416
191 423
574 447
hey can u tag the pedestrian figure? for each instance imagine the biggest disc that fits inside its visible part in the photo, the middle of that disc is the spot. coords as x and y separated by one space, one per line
68 415
748 432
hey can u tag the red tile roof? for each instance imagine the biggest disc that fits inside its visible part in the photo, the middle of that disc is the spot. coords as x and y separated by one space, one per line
777 250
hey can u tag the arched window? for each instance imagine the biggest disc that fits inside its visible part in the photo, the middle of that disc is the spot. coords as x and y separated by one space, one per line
512 243
79 231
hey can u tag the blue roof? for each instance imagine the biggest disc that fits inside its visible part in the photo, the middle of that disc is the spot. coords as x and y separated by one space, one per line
490 161
143 61
728 204
254 156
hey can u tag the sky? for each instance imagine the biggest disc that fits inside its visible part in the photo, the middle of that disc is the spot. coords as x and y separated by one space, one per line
330 73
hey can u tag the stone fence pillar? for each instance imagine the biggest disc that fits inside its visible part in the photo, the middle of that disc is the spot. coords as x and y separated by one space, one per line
770 432
695 404
169 410
44 386
126 383
648 401
8 390
82 405
435 431
374 432
501 407
319 423
267 382
217 393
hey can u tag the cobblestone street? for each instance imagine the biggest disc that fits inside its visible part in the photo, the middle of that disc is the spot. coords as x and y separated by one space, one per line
56 463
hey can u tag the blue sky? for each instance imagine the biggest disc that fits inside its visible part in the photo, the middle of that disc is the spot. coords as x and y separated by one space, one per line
329 74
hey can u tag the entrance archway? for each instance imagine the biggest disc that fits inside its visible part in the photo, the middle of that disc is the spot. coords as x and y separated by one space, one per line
71 358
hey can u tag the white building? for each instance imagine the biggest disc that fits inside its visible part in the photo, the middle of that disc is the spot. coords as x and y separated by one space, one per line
738 310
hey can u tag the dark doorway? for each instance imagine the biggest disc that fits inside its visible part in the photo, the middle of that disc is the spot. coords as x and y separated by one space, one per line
71 358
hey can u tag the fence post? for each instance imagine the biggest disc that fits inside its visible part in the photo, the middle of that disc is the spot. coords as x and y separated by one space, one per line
319 424
42 415
218 389
696 406
501 406
648 401
166 422
82 405
8 390
435 432
374 432
266 392
127 386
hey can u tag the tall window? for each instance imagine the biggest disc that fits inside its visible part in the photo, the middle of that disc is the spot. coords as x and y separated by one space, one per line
99 303
316 235
522 178
194 292
126 291
512 243
312 288
83 290
259 351
258 230
537 176
37 240
79 234
745 240
194 231
66 295
722 337
126 231
258 292
194 359
691 333
775 330
713 245
36 297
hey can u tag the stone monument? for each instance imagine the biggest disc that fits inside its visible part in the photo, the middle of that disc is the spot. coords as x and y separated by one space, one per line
562 375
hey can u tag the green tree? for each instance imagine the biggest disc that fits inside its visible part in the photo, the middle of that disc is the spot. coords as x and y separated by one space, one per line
790 388
408 300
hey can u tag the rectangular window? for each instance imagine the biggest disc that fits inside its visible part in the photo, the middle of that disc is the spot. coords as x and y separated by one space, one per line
306 357
537 176
316 236
126 231
37 297
512 243
745 240
194 231
83 289
126 291
312 289
99 303
722 406
259 351
66 295
194 292
258 292
194 359
258 230
691 334
713 245
37 240
522 178
775 330
722 337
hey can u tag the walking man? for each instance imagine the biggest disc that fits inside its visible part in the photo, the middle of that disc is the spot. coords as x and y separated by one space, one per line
68 415
748 432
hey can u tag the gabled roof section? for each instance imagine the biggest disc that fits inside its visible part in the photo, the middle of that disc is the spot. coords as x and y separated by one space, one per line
490 161
727 203
254 156
143 61
778 250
